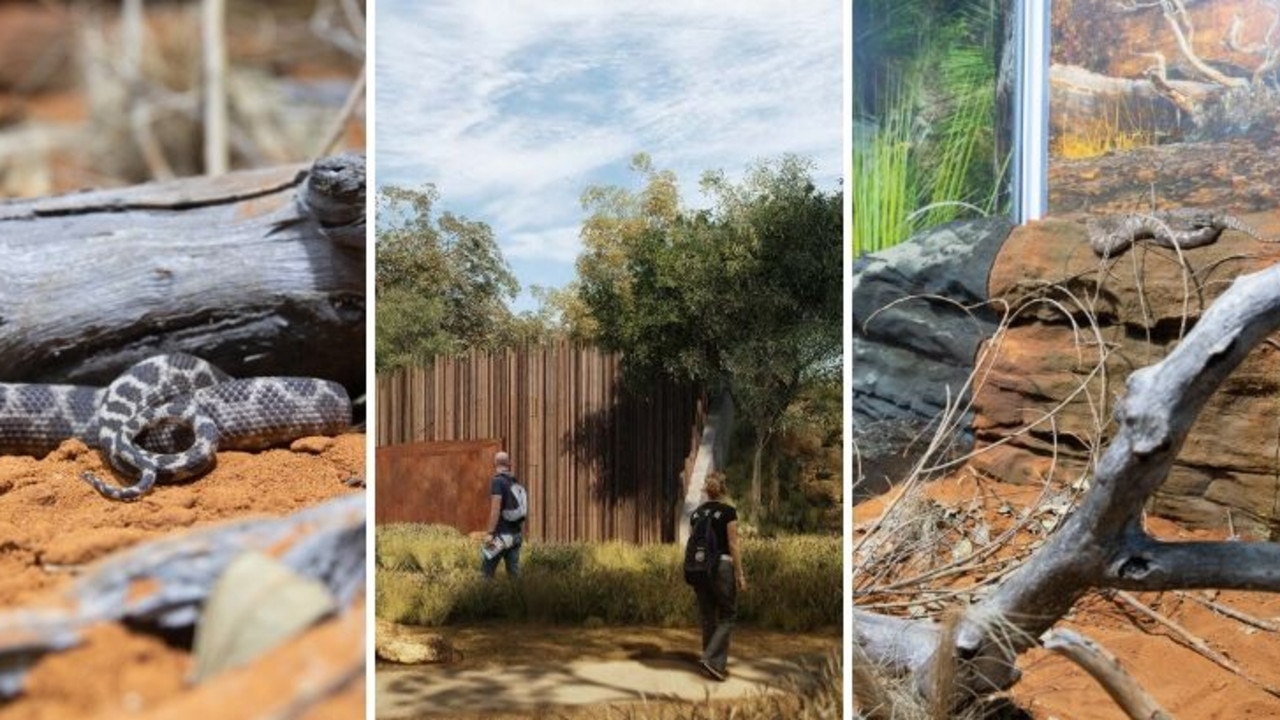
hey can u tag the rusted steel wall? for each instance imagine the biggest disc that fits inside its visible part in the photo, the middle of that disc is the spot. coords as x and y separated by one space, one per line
445 483
600 463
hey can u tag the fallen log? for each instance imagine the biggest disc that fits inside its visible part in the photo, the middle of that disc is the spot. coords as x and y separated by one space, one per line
260 272
165 584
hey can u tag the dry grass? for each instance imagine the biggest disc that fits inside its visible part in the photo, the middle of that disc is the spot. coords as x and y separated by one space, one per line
430 576
1091 137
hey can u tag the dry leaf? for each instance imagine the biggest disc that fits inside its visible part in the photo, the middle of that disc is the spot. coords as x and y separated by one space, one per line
257 603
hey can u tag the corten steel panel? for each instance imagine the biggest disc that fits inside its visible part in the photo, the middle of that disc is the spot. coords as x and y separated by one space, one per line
445 483
600 462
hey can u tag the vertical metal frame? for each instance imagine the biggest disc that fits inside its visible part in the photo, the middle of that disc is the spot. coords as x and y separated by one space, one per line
1031 111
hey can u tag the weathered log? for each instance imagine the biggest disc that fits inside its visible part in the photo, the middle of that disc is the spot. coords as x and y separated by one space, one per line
260 272
1103 544
165 583
1086 102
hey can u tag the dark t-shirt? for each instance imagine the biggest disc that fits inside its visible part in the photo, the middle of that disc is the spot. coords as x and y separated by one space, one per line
721 516
498 486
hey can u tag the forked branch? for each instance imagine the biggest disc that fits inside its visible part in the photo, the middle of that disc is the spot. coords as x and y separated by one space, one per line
1102 543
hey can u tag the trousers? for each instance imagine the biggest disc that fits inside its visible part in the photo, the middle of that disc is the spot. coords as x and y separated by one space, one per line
718 609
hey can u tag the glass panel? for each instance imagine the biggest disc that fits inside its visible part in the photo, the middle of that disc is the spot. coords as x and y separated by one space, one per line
929 144
1157 104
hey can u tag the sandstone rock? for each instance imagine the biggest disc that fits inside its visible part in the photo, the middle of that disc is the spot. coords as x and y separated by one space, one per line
410 646
1082 326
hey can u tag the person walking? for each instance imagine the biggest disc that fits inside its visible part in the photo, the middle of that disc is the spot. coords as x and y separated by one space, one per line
508 508
718 597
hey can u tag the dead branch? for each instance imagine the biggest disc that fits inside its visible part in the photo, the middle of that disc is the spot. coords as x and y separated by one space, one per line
165 583
1107 670
331 138
1102 544
1231 612
214 51
1176 15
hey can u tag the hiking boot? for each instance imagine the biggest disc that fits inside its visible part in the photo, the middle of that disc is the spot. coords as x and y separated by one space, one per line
712 671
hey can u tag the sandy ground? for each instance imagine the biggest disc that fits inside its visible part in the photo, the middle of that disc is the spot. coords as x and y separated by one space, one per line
53 523
1185 683
520 671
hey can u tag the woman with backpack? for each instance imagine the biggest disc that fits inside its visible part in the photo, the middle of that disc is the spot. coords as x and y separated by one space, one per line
713 566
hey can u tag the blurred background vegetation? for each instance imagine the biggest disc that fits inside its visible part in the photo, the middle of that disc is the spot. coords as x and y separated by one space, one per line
102 94
926 138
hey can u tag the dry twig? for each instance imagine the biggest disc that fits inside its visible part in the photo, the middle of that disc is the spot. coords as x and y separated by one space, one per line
1194 642
1106 669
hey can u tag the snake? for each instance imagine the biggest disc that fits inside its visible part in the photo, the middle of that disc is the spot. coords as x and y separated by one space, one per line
164 418
1181 228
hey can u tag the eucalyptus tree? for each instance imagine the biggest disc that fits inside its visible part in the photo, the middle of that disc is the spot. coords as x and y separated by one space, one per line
442 283
744 295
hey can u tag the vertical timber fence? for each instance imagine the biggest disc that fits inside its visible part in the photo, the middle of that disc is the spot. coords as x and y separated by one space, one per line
600 462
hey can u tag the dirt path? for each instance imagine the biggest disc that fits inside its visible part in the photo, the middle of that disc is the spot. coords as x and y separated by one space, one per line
516 670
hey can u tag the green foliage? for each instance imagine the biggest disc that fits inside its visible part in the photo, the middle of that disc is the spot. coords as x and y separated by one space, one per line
559 314
426 577
745 295
804 463
441 281
924 147
884 180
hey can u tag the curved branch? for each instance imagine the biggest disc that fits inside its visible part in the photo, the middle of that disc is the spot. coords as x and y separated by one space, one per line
1174 8
1107 670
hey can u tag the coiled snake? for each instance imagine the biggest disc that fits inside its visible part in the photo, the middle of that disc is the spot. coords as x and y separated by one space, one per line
164 419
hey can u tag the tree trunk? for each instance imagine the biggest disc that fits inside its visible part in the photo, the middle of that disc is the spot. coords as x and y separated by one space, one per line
259 272
757 457
1102 544
775 490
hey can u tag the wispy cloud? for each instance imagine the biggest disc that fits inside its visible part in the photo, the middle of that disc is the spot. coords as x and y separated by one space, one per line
513 108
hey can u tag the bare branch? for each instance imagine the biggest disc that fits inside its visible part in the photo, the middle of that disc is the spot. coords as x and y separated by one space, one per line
1195 642
1231 612
1175 13
1102 542
1148 564
338 125
1106 669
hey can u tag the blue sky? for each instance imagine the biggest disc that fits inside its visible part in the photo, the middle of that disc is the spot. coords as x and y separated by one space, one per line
512 108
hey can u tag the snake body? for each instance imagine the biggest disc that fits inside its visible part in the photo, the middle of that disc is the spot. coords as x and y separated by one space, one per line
1181 228
163 419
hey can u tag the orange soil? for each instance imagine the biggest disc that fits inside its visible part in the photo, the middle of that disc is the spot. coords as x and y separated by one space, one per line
54 523
1185 683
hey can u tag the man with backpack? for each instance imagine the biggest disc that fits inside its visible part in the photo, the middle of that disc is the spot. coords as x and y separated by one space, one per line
508 508
713 566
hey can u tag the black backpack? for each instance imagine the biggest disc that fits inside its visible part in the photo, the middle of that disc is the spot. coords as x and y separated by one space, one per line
702 551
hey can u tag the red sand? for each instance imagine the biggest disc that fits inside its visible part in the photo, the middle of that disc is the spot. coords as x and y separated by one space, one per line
1186 684
56 522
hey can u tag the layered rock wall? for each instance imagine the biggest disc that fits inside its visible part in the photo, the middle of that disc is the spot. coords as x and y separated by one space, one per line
1081 325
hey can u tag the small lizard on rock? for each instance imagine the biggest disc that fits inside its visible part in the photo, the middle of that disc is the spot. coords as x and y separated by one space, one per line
1182 228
